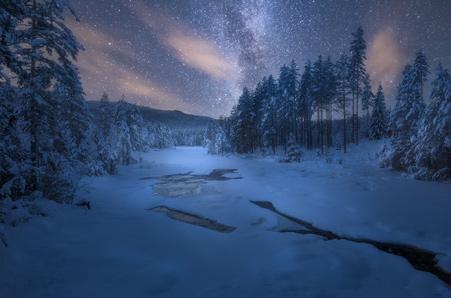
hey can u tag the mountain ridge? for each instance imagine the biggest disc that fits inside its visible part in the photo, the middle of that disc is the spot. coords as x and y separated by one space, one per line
173 118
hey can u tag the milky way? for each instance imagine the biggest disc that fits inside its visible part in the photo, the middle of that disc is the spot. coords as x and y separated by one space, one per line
195 55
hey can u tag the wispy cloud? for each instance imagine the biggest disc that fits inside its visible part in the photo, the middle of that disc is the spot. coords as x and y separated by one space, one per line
200 54
186 45
385 59
102 72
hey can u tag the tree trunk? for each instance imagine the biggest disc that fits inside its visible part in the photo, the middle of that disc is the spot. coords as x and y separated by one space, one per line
322 129
33 112
310 132
357 115
344 124
352 118
318 138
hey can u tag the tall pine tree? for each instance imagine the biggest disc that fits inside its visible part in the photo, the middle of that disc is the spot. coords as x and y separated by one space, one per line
433 143
405 117
46 54
357 75
305 105
378 121
269 120
421 69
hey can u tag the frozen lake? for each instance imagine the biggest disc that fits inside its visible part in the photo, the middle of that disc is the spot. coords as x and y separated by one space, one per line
175 225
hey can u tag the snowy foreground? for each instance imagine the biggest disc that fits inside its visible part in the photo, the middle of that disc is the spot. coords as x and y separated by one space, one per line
120 248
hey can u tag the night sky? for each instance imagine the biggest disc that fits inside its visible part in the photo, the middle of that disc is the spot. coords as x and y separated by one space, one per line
195 56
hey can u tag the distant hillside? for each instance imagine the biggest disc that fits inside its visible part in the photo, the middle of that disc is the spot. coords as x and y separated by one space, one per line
169 118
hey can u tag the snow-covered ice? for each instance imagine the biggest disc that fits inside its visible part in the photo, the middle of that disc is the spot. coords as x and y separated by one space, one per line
120 248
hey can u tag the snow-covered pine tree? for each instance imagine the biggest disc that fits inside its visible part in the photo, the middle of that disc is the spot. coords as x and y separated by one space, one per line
161 136
42 34
242 124
268 124
14 156
421 69
256 114
105 115
433 143
11 13
15 165
136 128
103 137
59 178
123 143
217 141
357 74
405 117
367 102
38 51
69 98
378 121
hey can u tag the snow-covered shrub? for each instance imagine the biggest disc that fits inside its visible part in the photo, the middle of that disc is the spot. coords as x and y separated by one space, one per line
159 136
188 136
217 141
15 164
18 211
294 152
59 179
220 144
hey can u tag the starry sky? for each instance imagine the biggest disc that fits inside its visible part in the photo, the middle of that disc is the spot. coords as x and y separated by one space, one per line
196 55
